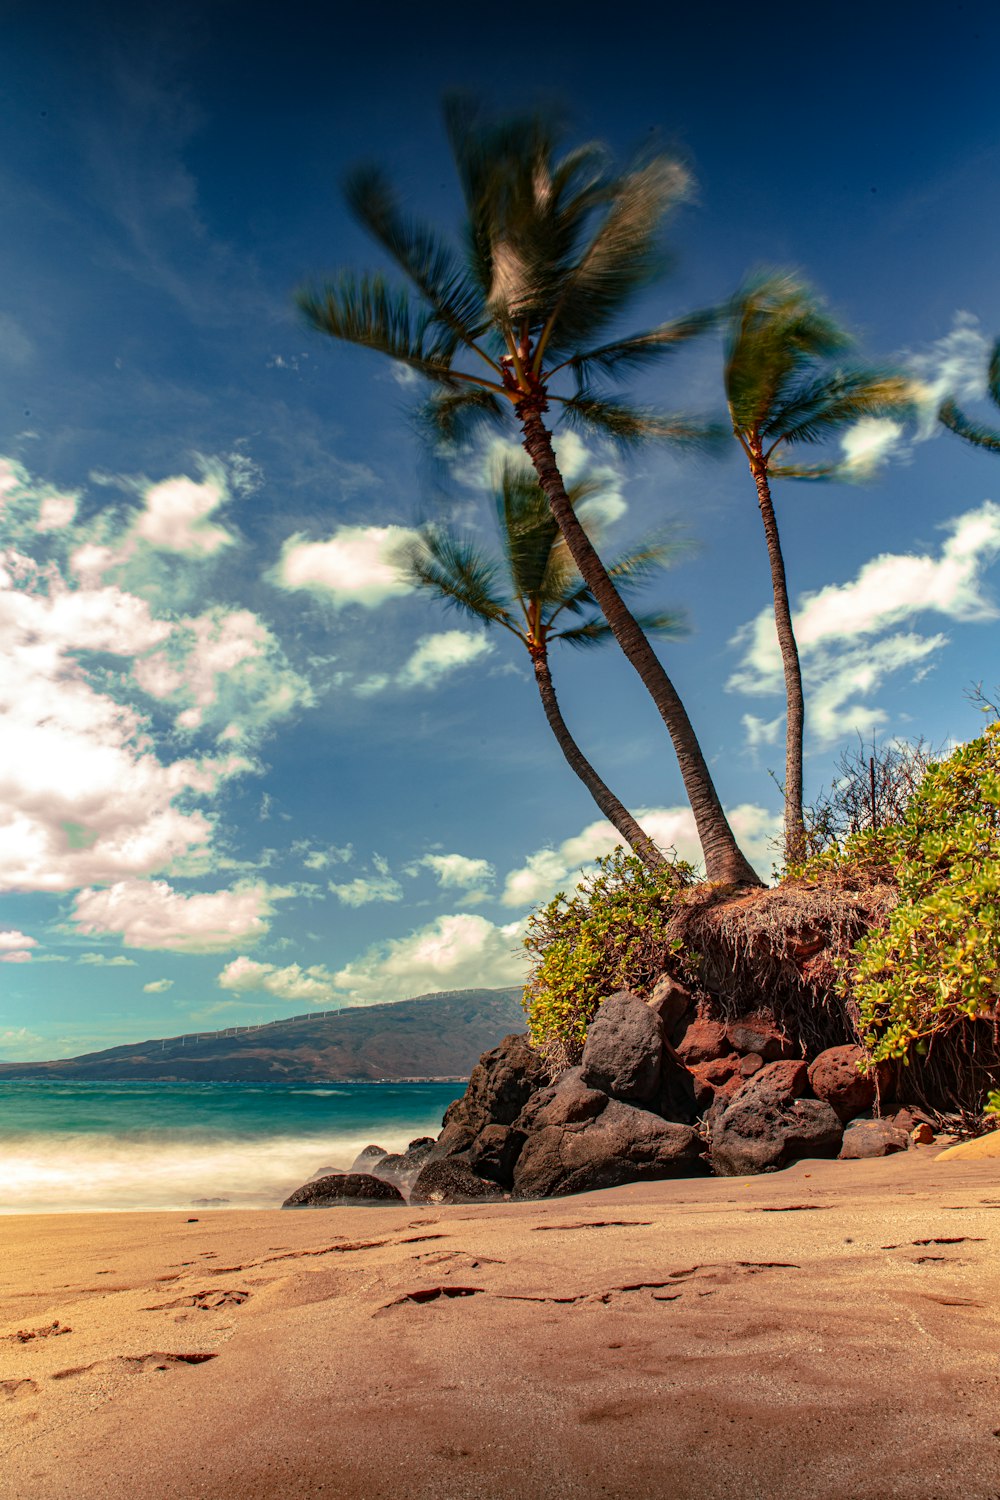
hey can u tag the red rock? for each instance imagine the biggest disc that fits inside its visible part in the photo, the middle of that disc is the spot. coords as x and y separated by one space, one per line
703 1041
720 1075
834 1077
671 1002
921 1135
760 1033
751 1064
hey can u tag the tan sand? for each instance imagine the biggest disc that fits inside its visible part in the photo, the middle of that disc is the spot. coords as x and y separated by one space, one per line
980 1147
829 1333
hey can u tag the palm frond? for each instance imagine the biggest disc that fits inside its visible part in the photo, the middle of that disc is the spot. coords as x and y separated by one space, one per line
527 530
456 416
972 432
777 330
456 570
627 425
830 401
993 374
362 310
594 632
430 264
624 355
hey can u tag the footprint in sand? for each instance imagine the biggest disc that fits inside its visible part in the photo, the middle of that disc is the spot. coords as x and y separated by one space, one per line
16 1390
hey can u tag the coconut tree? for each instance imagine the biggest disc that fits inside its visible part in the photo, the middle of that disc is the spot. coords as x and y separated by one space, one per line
974 432
537 594
783 390
522 319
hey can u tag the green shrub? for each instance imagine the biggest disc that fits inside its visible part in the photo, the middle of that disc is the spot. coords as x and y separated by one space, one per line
610 935
938 961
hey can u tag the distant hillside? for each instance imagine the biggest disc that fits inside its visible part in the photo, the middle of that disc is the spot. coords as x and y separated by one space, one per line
435 1036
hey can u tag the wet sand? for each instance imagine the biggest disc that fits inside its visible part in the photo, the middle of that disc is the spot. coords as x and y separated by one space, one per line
831 1332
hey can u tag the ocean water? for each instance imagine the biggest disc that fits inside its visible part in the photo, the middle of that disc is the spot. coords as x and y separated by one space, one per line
79 1147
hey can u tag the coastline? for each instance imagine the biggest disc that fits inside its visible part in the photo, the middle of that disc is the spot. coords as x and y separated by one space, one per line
829 1331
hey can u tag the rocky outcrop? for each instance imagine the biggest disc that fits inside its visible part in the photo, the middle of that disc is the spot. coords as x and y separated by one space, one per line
500 1086
452 1181
761 1034
674 1004
768 1123
366 1159
583 1140
345 1189
703 1041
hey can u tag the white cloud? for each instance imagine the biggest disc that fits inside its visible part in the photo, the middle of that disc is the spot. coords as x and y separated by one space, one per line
175 515
437 655
870 443
16 956
101 961
223 667
157 986
454 952
17 1043
151 914
382 886
12 939
842 661
457 870
954 366
55 512
314 984
356 565
762 731
548 871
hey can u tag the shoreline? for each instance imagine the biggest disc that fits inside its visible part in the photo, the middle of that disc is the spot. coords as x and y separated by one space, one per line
829 1331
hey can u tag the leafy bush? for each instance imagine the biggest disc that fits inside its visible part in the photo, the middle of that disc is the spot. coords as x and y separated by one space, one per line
937 963
610 935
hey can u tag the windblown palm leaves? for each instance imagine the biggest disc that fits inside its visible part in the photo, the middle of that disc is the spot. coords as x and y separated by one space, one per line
784 389
975 432
522 318
537 594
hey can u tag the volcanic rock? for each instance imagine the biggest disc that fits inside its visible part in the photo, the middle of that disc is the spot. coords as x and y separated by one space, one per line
673 1003
494 1152
703 1041
619 1144
760 1033
866 1138
768 1124
366 1159
623 1052
351 1189
834 1077
452 1181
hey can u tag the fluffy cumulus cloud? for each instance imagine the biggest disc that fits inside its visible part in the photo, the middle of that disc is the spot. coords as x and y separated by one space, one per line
15 947
576 460
87 793
152 914
458 871
455 952
954 366
438 655
356 565
548 871
157 986
223 669
848 633
314 985
364 889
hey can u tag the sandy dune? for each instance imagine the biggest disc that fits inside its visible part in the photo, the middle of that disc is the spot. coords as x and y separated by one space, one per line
829 1331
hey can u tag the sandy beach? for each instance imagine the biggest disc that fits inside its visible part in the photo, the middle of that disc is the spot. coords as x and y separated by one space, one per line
827 1331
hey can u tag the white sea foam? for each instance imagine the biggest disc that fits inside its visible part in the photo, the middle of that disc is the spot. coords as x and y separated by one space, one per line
85 1173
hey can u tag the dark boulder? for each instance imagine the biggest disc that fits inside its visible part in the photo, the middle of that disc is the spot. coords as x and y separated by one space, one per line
703 1041
674 1004
568 1101
366 1159
868 1138
676 1099
501 1084
760 1033
452 1181
623 1052
834 1076
616 1145
768 1124
346 1189
494 1152
390 1168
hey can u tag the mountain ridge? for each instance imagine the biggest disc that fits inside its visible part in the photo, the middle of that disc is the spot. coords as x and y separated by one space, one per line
436 1036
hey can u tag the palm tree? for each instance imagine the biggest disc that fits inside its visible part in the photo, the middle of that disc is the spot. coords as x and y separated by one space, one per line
782 390
982 437
554 249
539 597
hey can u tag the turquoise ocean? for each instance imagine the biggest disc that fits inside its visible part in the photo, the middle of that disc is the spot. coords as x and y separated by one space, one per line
70 1147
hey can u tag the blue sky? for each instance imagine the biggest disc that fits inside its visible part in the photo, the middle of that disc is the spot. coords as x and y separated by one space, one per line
243 770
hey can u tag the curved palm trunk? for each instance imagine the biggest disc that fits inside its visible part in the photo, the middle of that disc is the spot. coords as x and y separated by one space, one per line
615 812
795 834
724 861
